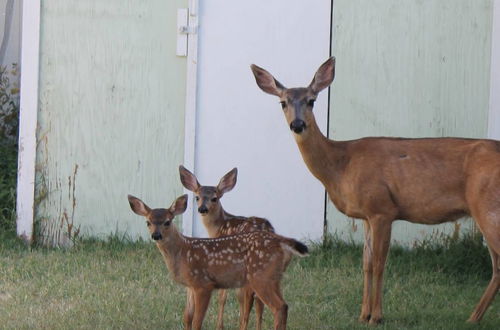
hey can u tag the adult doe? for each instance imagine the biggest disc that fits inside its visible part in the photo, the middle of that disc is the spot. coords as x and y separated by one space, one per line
379 180
219 223
256 260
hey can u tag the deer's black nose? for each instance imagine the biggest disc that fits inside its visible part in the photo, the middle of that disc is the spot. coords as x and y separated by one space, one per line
203 209
156 236
298 125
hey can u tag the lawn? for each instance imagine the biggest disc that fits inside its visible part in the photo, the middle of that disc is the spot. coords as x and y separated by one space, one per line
123 284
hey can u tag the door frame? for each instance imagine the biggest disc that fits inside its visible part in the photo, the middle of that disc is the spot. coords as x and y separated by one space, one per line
190 111
494 103
30 67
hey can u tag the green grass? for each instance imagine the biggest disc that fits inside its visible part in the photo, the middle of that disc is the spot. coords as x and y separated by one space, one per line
125 285
8 177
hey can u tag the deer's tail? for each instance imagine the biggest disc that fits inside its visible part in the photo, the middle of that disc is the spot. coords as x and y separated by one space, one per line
295 247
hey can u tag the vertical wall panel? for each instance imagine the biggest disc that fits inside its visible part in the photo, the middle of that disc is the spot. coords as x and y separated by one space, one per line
409 68
110 116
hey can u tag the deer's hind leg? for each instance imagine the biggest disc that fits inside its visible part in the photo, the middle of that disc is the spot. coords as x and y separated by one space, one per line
490 292
270 293
259 311
485 209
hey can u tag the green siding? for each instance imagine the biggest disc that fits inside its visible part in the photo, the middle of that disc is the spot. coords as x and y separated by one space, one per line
409 68
111 114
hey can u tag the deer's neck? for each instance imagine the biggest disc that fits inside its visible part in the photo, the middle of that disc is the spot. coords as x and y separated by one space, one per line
171 247
324 158
215 220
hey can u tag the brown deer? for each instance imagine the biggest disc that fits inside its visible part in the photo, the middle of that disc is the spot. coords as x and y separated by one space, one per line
220 223
381 179
256 260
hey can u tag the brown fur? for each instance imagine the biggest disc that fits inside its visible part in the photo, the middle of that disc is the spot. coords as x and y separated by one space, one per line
220 223
379 180
255 260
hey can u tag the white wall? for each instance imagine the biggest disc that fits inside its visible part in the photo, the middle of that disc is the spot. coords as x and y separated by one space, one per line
10 31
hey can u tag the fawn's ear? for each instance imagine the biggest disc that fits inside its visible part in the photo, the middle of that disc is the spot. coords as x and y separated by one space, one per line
227 182
324 76
188 179
179 205
138 206
266 81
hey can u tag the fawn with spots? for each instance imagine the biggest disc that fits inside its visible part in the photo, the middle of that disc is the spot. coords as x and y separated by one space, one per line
220 223
255 260
381 179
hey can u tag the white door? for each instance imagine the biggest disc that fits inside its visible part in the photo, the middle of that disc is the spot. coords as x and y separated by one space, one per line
237 125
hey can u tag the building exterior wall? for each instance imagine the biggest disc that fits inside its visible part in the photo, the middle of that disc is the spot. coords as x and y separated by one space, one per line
110 117
413 69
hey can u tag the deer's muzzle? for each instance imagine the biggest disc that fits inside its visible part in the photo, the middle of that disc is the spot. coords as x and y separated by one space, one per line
156 236
298 125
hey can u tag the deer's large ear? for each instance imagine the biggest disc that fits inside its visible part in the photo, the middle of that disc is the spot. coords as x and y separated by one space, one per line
179 205
138 206
266 81
324 76
227 182
188 179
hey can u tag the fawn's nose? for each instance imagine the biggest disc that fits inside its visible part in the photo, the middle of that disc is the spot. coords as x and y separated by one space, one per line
156 236
203 209
298 125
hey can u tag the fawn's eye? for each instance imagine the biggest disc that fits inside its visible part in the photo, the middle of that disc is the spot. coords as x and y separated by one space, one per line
311 103
283 104
167 223
214 199
148 223
197 198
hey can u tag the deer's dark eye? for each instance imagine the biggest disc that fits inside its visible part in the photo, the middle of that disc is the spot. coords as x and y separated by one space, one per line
148 223
167 223
197 198
311 103
283 104
214 199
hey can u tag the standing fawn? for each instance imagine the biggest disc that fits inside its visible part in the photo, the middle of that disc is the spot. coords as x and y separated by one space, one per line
379 180
220 223
256 260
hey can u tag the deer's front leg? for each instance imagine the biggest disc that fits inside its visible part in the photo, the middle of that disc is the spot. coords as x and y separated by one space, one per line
245 299
201 300
189 309
367 273
381 239
222 303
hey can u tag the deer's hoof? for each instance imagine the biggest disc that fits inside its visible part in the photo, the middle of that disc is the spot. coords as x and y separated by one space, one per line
364 318
473 320
375 320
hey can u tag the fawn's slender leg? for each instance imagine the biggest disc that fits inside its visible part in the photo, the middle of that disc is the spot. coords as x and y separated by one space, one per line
201 300
222 303
367 273
270 294
259 310
189 309
245 298
381 239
